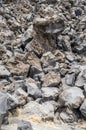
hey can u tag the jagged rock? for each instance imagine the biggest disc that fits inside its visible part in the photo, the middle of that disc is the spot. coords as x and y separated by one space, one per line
48 58
33 90
70 57
59 56
3 107
83 108
80 82
34 61
12 102
18 69
4 72
50 25
42 56
19 84
21 92
49 62
50 93
70 79
72 97
51 80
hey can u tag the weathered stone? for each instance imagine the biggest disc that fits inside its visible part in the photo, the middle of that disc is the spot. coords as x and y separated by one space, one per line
33 90
80 81
43 111
12 102
68 116
70 79
51 80
18 68
72 97
4 72
3 107
21 92
46 25
50 93
83 108
24 125
19 84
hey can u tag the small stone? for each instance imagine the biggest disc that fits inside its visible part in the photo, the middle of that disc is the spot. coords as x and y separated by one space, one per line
24 125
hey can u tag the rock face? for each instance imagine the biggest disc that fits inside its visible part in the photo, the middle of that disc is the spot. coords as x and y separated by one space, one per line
43 60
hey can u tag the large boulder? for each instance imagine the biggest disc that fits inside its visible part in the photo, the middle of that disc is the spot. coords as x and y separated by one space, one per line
72 97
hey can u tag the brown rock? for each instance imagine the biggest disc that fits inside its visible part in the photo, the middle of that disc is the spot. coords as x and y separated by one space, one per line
51 80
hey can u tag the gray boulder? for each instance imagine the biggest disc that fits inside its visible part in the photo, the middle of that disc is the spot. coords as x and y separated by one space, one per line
72 97
50 93
4 72
33 90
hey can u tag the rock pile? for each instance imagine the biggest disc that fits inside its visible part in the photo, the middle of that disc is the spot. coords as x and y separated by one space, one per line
43 59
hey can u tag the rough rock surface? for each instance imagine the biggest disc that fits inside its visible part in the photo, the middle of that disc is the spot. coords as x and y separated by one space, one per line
72 97
43 60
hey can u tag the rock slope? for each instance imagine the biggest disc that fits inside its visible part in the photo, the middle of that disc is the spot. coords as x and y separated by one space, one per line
43 60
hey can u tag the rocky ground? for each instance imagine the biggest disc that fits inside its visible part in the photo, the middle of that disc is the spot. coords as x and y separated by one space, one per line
43 64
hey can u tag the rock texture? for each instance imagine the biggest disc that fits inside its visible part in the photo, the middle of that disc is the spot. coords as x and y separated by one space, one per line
43 60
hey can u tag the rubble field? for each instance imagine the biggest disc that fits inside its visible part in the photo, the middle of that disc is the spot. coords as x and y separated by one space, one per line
43 64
